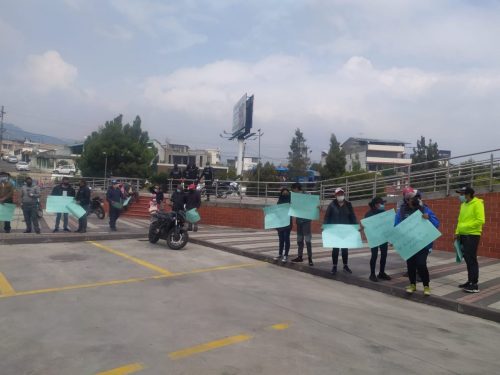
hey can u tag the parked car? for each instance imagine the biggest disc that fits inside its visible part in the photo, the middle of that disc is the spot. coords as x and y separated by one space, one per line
65 169
12 159
22 166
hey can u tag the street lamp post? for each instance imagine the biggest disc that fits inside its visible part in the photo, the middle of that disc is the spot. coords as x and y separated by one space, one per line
260 134
105 168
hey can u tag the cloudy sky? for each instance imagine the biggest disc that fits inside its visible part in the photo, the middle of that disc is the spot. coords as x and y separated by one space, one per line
393 69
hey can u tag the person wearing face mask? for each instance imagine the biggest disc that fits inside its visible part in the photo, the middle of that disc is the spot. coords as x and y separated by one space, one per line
303 232
208 177
284 232
83 199
115 198
63 189
178 199
29 201
468 231
6 195
376 207
193 200
158 196
417 262
340 211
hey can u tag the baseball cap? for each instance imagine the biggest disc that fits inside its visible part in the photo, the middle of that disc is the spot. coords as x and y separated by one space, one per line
409 192
114 181
465 190
192 187
339 190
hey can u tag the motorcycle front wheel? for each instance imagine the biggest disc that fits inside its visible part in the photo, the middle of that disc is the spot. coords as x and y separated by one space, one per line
154 233
99 211
177 240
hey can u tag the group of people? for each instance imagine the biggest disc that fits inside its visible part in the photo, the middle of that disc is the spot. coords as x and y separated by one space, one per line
340 211
191 175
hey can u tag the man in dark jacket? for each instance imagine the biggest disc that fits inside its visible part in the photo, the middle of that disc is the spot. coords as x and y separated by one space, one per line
208 176
340 211
175 176
64 189
178 199
193 200
83 198
6 195
114 196
192 173
303 232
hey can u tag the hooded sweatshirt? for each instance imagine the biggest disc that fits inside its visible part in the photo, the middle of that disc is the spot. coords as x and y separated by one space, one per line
471 218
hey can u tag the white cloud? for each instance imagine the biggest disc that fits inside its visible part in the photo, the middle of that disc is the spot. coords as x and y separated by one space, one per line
49 71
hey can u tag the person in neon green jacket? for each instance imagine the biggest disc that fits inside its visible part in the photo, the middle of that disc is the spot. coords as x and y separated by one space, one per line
469 228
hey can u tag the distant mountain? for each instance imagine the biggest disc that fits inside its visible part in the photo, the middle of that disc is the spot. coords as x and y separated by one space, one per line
15 133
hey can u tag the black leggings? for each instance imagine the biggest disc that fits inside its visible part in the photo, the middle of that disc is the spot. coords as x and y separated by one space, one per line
335 256
470 244
284 238
383 258
418 262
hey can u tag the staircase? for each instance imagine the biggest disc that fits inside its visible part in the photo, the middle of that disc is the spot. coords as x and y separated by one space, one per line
138 209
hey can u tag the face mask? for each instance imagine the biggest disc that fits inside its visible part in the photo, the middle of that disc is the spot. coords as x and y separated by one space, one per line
381 207
178 190
341 198
462 198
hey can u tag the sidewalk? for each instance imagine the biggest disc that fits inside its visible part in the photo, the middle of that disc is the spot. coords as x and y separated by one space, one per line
445 273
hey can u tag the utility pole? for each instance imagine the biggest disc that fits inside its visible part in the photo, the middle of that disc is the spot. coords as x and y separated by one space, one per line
2 112
260 134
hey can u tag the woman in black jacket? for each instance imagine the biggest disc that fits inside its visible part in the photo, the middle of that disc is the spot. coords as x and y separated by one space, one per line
340 211
284 232
377 207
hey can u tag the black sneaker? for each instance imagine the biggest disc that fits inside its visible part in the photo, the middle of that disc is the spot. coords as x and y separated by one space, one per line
27 231
383 276
67 230
373 278
55 230
347 269
311 262
464 285
471 288
334 270
297 260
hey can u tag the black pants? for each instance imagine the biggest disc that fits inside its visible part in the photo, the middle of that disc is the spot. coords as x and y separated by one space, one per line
114 214
335 256
6 226
284 240
82 222
304 234
31 217
470 244
418 262
58 220
383 257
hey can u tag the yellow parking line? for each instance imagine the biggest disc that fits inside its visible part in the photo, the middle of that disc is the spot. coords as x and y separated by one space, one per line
208 346
141 262
221 268
124 370
5 288
280 326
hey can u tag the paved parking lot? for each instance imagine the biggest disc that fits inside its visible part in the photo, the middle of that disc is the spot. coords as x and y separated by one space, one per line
124 307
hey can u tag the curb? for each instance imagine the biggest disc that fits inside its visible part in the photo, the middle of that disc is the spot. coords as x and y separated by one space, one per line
70 238
442 302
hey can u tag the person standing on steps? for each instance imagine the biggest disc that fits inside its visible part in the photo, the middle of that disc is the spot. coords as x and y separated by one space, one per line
175 177
115 198
284 232
340 211
303 232
193 200
29 203
64 189
208 176
377 207
83 199
469 228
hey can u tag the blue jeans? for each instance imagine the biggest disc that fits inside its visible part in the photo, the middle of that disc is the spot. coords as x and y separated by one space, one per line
65 220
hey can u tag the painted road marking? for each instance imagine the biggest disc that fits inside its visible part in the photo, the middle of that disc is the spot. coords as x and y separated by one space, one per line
141 262
5 288
188 352
124 370
280 326
129 281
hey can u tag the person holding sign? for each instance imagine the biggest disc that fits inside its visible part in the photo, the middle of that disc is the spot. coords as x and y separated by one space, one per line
115 197
29 203
284 232
303 232
83 199
340 211
417 262
193 200
468 232
6 195
64 189
377 207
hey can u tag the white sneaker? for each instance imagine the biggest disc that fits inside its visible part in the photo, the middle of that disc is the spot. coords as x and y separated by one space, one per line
277 258
284 260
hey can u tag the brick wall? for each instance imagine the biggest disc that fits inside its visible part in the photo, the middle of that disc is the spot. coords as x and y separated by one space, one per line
446 210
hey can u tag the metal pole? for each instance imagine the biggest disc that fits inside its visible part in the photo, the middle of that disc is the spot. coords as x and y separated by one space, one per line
375 185
266 193
448 179
491 172
258 170
105 169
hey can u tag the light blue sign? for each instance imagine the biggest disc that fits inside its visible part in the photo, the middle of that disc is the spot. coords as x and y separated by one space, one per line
58 204
342 236
458 251
76 210
378 227
412 235
126 201
304 206
193 216
7 211
276 216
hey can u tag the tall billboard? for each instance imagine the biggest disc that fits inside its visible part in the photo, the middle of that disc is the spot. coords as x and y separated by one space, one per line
239 116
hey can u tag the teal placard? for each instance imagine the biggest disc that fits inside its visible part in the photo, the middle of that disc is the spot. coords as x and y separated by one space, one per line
126 201
342 236
76 210
7 211
276 216
304 206
412 235
193 216
58 204
378 227
458 251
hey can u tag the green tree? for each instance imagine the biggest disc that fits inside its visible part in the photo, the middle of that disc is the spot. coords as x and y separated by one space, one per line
124 146
335 160
425 153
298 156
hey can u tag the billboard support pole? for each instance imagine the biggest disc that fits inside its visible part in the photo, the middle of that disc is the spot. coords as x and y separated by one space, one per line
241 145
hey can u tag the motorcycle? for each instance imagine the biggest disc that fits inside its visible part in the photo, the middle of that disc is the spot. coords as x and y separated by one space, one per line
170 227
97 207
